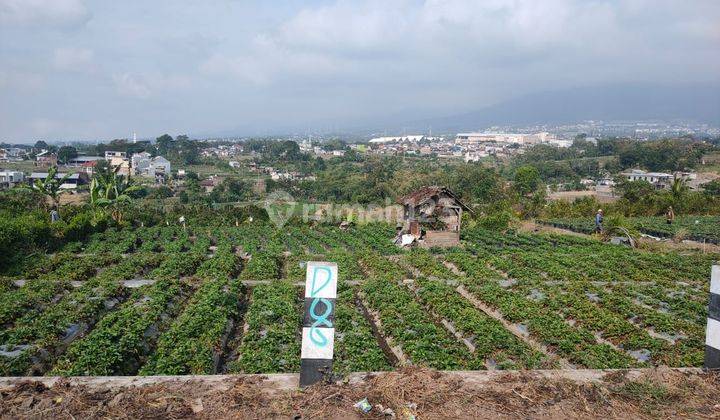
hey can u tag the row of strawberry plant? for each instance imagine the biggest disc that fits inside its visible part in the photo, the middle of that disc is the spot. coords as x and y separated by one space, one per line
45 335
407 322
113 241
193 342
262 266
702 228
577 344
39 293
527 267
571 300
378 236
492 341
271 342
121 341
614 310
490 337
356 349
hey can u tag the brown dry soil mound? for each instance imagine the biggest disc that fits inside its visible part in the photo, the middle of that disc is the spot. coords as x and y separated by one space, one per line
427 394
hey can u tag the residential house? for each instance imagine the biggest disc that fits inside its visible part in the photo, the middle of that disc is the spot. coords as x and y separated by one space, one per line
87 163
81 160
208 185
119 161
10 178
11 154
45 159
660 180
144 165
71 183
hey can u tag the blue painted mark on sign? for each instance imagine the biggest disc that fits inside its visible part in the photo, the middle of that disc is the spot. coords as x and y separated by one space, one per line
317 336
314 291
320 321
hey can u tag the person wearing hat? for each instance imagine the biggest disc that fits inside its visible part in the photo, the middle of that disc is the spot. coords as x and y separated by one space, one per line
599 221
670 215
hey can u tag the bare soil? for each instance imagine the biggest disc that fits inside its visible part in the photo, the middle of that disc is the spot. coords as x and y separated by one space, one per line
426 394
603 195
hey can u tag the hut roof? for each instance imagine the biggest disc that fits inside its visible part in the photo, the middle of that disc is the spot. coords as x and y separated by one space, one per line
426 193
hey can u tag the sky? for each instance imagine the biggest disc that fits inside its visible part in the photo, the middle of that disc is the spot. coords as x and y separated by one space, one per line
103 69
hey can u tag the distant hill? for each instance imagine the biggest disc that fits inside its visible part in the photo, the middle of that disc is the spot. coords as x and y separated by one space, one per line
607 103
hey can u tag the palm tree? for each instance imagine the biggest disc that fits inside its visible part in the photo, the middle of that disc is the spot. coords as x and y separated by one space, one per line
50 186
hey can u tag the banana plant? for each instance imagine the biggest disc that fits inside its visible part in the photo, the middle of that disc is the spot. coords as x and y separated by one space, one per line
109 190
51 186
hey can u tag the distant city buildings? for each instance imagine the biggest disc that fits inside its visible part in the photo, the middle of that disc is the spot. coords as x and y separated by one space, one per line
222 151
470 146
397 139
511 138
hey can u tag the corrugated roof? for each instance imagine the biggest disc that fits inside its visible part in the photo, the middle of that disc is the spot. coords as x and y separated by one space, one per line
58 175
424 194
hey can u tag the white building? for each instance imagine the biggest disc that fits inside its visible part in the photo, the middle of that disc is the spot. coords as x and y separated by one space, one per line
11 178
11 154
661 180
470 138
510 138
475 156
306 146
560 143
144 165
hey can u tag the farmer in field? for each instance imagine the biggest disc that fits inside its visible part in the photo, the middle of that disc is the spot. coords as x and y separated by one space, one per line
670 215
599 221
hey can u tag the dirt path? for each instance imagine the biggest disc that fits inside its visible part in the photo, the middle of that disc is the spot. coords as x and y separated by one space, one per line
426 394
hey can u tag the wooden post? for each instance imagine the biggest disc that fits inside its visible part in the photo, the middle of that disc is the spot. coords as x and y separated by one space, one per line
712 333
415 228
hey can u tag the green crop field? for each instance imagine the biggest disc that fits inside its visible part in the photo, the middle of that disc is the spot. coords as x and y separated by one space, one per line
163 300
698 228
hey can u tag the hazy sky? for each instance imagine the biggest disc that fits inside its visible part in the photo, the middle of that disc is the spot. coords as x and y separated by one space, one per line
75 69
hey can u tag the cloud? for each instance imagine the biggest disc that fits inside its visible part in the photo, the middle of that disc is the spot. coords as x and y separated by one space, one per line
266 61
332 59
131 85
74 59
390 45
52 13
143 86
